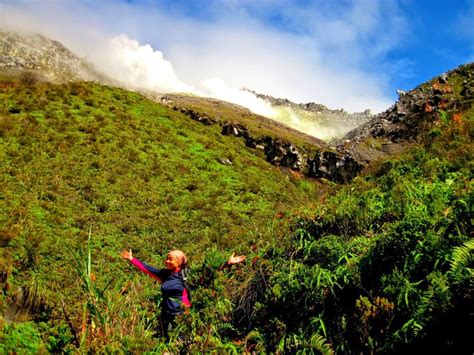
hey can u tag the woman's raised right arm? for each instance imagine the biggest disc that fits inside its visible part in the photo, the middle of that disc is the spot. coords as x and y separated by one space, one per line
147 269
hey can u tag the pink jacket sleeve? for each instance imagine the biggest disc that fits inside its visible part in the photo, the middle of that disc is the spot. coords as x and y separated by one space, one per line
145 268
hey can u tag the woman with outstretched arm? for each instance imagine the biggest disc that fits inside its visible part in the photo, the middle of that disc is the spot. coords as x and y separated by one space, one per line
173 289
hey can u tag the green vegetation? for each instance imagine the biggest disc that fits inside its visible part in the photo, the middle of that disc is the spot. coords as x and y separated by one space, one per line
82 156
384 264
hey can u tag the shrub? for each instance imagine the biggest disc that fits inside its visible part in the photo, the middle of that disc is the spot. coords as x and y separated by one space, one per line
28 78
20 337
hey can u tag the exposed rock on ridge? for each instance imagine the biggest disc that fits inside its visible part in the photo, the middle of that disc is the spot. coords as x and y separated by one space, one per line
331 166
277 151
404 124
47 58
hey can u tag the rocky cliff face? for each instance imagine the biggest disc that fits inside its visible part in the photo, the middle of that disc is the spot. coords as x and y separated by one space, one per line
333 166
277 152
406 123
45 57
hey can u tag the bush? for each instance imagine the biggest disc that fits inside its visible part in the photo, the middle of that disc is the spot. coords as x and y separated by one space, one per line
20 338
29 78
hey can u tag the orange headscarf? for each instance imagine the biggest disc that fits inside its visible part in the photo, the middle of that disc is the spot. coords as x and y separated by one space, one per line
180 257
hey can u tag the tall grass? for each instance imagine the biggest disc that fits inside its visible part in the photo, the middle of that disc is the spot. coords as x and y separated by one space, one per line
110 316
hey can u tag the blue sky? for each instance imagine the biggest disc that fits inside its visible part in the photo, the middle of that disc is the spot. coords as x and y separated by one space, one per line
439 34
352 54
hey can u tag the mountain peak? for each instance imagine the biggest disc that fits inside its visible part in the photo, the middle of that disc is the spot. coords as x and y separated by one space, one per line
48 58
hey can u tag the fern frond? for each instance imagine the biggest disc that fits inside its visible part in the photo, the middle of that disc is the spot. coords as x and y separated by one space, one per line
462 256
320 343
412 326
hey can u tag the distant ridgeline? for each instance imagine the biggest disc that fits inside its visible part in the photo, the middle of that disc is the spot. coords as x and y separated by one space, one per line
372 138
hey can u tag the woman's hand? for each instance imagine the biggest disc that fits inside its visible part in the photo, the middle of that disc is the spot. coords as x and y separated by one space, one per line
127 254
235 259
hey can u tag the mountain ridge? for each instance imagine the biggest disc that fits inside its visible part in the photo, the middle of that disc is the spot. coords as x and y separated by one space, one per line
48 58
315 118
409 122
372 137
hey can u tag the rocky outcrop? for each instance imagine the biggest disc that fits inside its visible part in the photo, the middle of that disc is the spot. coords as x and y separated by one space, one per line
48 58
311 106
326 164
409 119
236 130
195 115
406 123
284 154
332 166
277 151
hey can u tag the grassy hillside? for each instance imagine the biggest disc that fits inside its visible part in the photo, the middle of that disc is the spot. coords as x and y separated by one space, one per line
381 265
80 154
83 156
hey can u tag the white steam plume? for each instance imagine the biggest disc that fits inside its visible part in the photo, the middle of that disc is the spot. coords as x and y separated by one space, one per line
140 66
321 54
218 89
